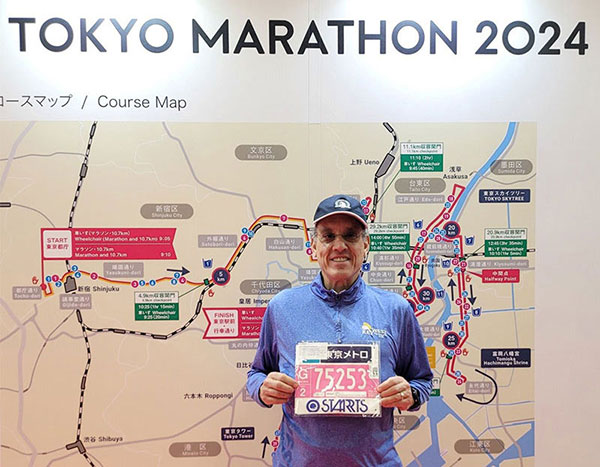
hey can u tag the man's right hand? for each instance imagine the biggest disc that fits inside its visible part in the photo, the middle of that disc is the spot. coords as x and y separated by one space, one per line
277 388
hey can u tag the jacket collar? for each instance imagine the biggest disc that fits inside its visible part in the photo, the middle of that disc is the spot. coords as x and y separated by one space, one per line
345 297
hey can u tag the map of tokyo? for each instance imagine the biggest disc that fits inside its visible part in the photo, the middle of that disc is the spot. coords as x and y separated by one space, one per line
137 259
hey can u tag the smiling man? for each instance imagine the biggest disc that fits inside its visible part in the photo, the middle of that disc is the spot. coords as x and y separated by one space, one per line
339 308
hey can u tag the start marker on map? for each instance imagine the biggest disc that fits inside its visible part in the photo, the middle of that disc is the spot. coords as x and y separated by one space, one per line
98 243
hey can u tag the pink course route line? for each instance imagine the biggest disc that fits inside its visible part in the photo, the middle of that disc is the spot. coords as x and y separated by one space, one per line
283 218
435 223
417 257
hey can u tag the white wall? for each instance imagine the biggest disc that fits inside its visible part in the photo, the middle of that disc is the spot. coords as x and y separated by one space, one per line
559 92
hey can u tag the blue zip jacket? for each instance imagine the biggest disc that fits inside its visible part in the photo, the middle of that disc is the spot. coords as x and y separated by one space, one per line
314 313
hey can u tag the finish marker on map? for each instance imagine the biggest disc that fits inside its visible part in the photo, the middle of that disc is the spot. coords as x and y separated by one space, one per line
233 323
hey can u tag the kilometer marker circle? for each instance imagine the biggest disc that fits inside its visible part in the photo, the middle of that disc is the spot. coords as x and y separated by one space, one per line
221 276
426 295
450 340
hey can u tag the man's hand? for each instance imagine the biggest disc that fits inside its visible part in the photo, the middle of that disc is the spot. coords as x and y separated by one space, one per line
277 388
395 392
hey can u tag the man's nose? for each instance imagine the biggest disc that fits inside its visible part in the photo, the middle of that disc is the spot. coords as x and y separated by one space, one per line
339 243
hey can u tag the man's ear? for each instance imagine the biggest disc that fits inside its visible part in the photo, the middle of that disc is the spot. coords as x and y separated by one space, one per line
312 246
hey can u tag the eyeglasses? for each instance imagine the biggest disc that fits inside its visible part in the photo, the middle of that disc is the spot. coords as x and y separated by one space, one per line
348 237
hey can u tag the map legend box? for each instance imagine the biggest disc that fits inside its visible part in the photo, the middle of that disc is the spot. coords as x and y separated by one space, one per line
505 242
390 236
421 157
156 306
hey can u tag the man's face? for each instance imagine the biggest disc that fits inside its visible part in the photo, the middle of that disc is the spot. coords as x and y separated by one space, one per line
340 248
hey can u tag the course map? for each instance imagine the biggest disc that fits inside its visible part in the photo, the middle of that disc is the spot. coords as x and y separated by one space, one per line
137 259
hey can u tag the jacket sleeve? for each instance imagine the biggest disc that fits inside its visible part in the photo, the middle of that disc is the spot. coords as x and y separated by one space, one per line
413 363
266 359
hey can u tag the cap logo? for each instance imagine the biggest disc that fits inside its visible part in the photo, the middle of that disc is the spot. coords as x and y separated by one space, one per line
342 204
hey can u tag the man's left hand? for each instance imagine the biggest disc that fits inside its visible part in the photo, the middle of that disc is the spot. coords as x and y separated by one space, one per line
395 392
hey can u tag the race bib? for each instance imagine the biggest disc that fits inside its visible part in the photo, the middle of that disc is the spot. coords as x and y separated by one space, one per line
337 379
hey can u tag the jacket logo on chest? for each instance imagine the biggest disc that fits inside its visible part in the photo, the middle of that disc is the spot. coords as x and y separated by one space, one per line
369 330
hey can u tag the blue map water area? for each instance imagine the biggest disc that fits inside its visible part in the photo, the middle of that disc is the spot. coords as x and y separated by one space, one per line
527 444
508 137
438 410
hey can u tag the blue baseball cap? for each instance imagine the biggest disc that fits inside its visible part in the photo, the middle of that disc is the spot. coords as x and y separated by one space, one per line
340 204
